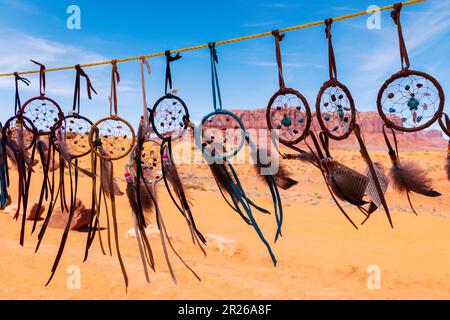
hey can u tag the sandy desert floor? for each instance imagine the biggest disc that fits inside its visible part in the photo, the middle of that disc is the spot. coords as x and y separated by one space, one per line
321 256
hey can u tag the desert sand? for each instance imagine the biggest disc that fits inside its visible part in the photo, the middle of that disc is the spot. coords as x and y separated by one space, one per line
320 256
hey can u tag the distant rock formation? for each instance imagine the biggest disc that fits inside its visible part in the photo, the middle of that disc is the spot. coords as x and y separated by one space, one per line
371 125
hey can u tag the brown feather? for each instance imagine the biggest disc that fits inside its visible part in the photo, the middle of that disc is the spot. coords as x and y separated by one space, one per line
132 198
68 157
411 178
171 173
348 185
265 170
105 175
282 178
11 152
307 157
146 200
219 172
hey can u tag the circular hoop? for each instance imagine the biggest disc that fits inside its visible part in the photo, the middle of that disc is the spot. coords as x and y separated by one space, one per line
223 122
288 116
335 110
110 133
417 93
9 130
150 161
44 113
169 114
76 130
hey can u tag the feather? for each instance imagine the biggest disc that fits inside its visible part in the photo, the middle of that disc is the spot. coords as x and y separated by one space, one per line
12 147
447 167
270 167
68 157
282 178
347 184
105 175
307 157
371 190
411 178
171 174
132 197
146 200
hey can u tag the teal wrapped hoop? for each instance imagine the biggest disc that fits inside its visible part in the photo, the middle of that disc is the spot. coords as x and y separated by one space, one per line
199 130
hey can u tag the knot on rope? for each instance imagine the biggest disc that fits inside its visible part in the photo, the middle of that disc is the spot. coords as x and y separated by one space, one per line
171 58
279 36
212 48
395 14
328 22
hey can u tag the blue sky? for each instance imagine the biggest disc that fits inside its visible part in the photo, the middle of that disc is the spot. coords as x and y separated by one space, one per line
247 70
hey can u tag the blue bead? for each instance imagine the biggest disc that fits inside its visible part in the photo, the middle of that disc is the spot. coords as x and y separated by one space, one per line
286 122
413 104
391 110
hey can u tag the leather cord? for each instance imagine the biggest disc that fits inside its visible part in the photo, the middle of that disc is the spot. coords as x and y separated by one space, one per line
169 59
115 79
278 38
331 58
145 63
41 77
18 78
217 99
76 95
395 14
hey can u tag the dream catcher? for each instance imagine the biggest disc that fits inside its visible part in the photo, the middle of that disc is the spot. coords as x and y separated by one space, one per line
16 146
336 114
111 139
288 118
45 114
144 171
221 136
409 101
72 143
170 120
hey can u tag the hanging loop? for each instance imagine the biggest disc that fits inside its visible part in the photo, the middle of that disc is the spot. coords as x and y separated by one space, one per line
214 77
145 63
115 79
395 14
278 38
169 59
76 96
41 77
331 58
17 78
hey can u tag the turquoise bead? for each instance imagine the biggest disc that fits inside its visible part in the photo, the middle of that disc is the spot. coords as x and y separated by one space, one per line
300 120
327 118
413 104
391 110
286 122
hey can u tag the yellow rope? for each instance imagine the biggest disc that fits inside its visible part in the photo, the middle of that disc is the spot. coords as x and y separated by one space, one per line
254 36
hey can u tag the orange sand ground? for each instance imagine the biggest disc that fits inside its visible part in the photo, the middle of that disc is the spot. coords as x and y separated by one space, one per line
320 255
